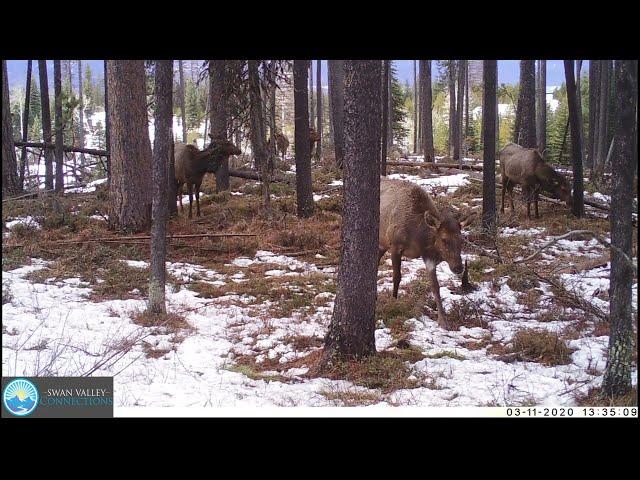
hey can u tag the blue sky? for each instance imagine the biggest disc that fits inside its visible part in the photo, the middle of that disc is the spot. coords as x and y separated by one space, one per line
508 70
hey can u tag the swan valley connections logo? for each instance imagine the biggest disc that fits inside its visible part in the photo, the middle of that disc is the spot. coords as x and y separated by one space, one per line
20 397
57 397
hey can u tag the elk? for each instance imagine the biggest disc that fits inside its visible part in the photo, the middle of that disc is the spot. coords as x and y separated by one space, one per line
526 167
314 138
412 226
282 143
192 164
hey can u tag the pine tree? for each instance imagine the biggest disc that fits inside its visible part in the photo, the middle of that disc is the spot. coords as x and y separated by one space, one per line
398 112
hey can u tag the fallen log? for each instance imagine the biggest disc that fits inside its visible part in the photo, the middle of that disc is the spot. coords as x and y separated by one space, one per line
135 239
66 148
434 165
253 175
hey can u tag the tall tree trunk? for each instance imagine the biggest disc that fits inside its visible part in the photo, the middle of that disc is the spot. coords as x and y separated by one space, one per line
579 100
426 115
272 106
351 332
130 196
527 103
489 102
25 125
457 146
161 158
337 107
312 106
46 124
603 116
262 158
541 112
219 115
80 112
576 140
59 149
466 101
415 108
594 85
319 107
183 112
107 124
617 377
330 101
385 116
452 105
10 185
304 191
390 107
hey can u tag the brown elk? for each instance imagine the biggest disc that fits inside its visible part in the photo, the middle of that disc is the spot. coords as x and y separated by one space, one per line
282 143
526 167
412 226
192 164
314 138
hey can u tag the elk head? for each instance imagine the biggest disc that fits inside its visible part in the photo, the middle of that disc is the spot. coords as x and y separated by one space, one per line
446 231
561 190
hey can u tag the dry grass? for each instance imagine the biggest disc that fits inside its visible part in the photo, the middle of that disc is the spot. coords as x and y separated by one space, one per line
595 398
532 345
344 397
464 313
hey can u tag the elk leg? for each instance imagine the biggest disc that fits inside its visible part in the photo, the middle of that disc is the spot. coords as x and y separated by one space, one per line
190 192
396 260
528 193
381 252
513 208
535 201
504 187
435 289
179 194
197 200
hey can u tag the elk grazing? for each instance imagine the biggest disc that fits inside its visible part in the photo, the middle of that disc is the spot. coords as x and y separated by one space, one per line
526 167
411 226
282 144
192 164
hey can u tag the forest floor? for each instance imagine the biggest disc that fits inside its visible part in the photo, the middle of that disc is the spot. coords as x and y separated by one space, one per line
247 315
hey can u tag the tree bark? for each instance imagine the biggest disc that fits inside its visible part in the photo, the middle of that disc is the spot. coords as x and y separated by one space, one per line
385 116
425 112
576 140
319 107
183 112
415 108
337 107
10 185
25 125
579 100
527 103
262 159
129 147
452 106
219 115
617 377
304 190
594 86
312 105
489 101
351 332
59 152
46 123
541 112
81 112
107 125
603 115
162 149
466 100
390 141
457 145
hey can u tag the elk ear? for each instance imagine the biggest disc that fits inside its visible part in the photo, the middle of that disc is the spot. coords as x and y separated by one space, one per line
467 220
431 220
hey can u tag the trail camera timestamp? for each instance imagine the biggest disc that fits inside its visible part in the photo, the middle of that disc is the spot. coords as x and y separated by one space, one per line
601 412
